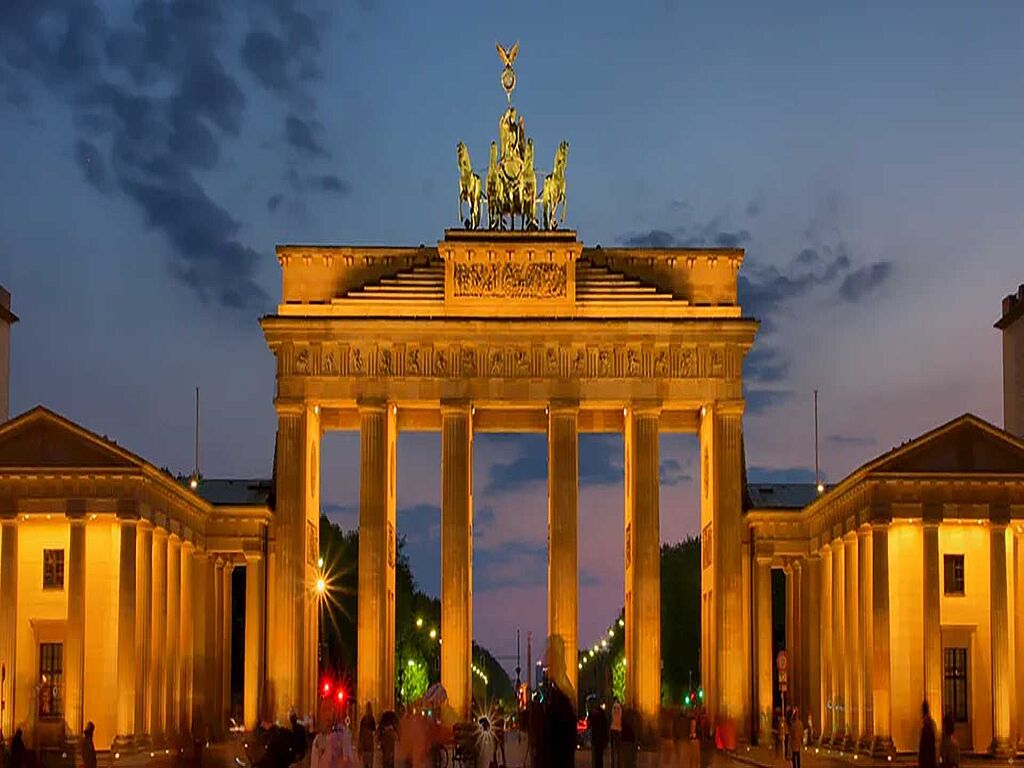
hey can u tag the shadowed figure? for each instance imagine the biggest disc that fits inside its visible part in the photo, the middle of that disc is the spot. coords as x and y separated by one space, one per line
926 746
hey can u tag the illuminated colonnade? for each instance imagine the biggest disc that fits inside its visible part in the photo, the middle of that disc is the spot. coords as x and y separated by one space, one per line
907 581
115 592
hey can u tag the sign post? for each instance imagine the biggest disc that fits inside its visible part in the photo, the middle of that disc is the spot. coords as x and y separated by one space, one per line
782 668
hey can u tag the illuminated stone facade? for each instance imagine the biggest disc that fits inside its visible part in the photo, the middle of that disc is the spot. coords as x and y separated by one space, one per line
507 332
115 591
904 583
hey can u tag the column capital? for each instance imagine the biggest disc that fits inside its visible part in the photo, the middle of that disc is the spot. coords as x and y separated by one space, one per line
144 525
864 531
812 557
159 532
644 408
187 543
880 525
726 407
252 556
372 405
764 560
456 407
128 510
568 407
999 513
796 565
850 537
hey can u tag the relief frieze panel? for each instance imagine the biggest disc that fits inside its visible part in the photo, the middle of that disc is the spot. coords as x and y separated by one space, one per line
513 280
510 360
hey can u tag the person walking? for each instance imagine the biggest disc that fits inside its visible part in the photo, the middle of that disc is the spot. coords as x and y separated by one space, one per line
364 739
615 734
88 748
926 746
17 756
796 738
949 749
597 721
388 737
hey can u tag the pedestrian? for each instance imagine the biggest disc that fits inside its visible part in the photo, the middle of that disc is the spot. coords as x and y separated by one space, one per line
926 746
597 721
784 731
561 729
949 749
695 737
17 757
796 739
88 748
630 735
388 737
364 739
319 751
615 734
500 726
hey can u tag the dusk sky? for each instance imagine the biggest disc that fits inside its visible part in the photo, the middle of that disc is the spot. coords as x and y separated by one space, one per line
869 158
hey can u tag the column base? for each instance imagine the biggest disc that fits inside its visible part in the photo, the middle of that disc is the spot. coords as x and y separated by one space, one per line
122 745
838 739
864 744
1001 747
882 747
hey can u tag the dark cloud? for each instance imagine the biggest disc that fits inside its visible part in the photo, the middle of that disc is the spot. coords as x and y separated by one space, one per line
765 364
328 182
851 440
304 135
515 564
267 58
710 234
671 473
90 161
600 463
274 201
780 475
759 400
764 288
863 281
754 207
154 102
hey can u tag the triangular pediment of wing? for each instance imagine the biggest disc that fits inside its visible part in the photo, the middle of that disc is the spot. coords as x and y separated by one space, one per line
44 439
967 444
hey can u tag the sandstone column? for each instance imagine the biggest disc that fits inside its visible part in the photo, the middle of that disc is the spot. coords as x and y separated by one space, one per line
376 607
8 616
882 672
143 627
839 660
797 664
643 564
1001 675
866 635
721 433
1018 543
763 633
563 574
291 669
827 681
932 630
171 670
158 651
457 555
810 589
254 637
852 676
126 640
185 664
790 629
216 682
225 648
74 640
200 672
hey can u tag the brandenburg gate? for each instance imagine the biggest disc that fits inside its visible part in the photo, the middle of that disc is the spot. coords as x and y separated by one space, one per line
508 332
505 330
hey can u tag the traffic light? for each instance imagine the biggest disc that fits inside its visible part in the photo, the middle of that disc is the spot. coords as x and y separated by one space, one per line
700 693
687 701
326 688
341 696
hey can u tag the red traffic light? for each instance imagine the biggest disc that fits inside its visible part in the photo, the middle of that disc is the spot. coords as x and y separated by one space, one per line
341 695
327 688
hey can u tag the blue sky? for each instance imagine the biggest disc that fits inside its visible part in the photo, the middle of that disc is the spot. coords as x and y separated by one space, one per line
869 156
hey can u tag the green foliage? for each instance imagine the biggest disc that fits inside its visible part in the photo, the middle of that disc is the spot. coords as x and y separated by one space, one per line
619 678
416 613
680 617
414 679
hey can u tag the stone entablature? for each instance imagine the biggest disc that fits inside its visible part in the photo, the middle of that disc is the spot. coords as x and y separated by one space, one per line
515 274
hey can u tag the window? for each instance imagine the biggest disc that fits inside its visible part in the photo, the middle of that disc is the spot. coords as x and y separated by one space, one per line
954 699
51 680
953 572
53 569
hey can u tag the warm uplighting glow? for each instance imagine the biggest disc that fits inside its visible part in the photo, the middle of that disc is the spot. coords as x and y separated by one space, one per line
622 623
433 633
581 665
419 623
